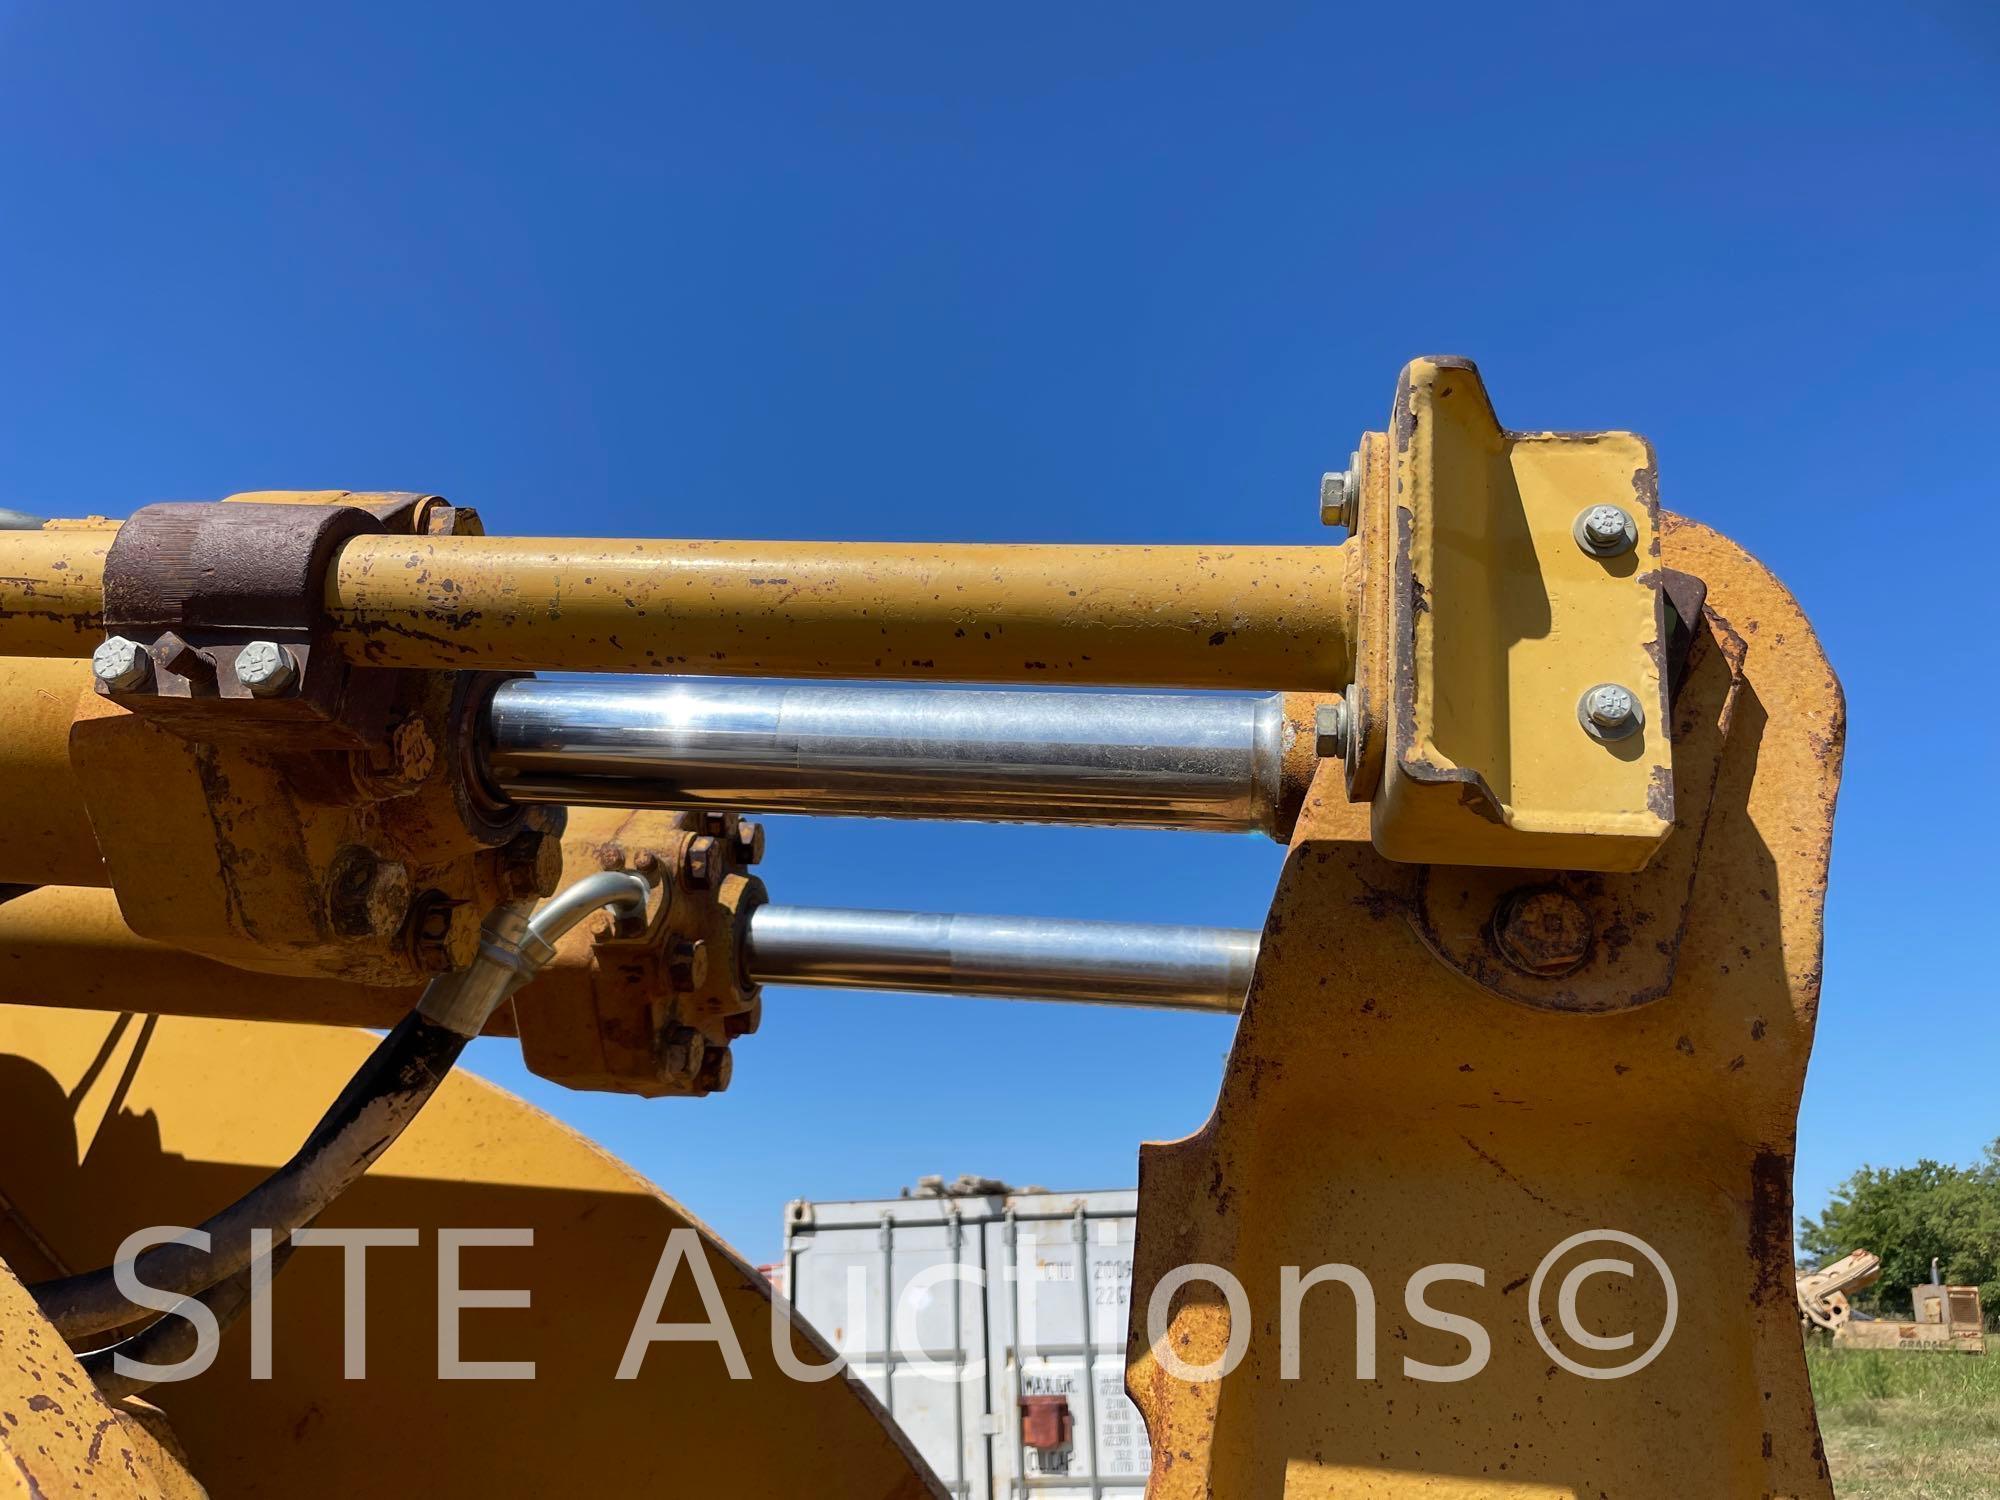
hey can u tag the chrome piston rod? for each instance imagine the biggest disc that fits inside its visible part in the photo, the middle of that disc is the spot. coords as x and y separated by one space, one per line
1023 958
1150 760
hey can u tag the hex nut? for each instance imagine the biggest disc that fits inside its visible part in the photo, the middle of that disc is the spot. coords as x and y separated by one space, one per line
717 1066
1610 711
266 668
1335 497
1606 530
121 664
1331 724
442 934
531 864
1542 931
698 863
687 964
682 1050
749 841
367 896
412 750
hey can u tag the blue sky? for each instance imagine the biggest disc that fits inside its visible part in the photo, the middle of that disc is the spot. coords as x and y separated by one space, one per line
1045 273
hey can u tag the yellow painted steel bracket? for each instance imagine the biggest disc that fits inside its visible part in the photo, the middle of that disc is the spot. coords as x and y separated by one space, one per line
1488 615
1597 1055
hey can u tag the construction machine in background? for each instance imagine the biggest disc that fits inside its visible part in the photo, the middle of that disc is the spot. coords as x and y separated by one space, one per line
1552 770
1945 1317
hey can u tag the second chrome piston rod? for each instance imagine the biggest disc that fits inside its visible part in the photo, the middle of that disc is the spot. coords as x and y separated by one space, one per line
1157 760
1023 958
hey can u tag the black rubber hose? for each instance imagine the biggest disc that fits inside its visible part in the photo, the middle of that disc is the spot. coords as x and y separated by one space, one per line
173 1337
379 1101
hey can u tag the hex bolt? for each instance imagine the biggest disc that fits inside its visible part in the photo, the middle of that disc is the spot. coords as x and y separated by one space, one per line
1331 724
687 965
717 1066
1333 499
716 823
412 751
1340 495
1606 531
745 1022
266 669
698 863
430 932
368 895
681 1052
531 864
1610 712
749 841
121 664
1542 930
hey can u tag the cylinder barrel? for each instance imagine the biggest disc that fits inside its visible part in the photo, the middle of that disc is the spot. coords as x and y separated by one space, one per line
52 590
49 839
1150 760
1135 616
1040 958
1193 617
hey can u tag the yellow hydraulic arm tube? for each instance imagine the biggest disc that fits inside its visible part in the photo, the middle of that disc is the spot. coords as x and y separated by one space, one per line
1182 616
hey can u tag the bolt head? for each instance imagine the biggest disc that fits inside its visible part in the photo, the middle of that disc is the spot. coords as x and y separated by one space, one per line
681 1052
443 934
1543 931
1336 499
265 668
1605 523
717 1066
531 864
688 964
698 863
749 841
1606 531
1331 723
121 664
1610 712
745 1022
411 748
388 896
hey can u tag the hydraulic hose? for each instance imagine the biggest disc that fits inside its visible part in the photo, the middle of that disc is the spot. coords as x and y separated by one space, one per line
381 1099
379 1102
175 1337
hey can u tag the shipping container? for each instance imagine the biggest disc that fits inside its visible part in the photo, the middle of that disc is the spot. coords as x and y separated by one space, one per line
1000 1350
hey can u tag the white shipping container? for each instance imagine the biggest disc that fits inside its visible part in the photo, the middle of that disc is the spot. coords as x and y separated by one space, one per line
1002 1296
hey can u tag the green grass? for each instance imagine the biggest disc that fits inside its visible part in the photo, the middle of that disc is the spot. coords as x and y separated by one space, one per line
1903 1425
